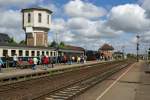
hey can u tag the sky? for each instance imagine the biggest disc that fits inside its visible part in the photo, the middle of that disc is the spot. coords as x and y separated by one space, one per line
86 23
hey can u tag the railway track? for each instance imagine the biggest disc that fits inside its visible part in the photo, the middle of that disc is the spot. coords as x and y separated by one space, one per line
69 92
46 87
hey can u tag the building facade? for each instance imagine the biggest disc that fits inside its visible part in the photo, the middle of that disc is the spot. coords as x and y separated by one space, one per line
106 51
36 23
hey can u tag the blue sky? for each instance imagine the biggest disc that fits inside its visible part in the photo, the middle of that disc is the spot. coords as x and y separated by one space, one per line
86 23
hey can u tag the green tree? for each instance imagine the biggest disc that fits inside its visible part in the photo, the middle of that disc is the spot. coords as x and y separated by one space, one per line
12 41
54 44
23 42
62 44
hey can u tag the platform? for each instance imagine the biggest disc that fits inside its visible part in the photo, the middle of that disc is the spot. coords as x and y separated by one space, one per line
143 92
12 74
129 84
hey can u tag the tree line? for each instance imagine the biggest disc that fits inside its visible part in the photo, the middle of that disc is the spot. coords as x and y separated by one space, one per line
23 42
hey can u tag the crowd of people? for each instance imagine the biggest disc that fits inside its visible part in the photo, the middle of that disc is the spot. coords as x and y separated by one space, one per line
43 60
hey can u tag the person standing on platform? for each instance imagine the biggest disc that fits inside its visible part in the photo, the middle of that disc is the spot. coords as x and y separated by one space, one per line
30 61
35 61
15 60
65 59
1 64
78 59
85 58
20 61
82 59
46 61
70 60
52 61
7 60
73 59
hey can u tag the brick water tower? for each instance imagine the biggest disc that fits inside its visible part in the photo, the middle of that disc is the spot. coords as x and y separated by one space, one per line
36 24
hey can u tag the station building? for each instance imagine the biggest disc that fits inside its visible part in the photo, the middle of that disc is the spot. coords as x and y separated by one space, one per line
106 51
118 55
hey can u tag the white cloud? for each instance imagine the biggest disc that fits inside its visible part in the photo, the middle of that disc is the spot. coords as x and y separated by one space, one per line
58 25
16 3
80 31
107 31
79 23
128 18
67 36
11 24
10 19
145 5
78 8
51 7
145 37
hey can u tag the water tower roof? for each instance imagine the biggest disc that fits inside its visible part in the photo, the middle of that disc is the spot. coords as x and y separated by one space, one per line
36 8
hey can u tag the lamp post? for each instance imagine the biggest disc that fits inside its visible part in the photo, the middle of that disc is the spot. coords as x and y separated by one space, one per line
137 48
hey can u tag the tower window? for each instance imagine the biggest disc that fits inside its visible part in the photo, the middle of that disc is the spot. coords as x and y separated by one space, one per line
47 19
29 17
40 17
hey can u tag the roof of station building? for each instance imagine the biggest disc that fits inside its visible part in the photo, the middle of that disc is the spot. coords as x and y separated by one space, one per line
118 52
36 8
106 47
66 47
70 47
23 46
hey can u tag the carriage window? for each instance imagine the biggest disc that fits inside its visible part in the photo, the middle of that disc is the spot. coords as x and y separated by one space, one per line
38 53
47 53
13 52
54 53
5 52
27 53
51 53
42 53
32 53
20 52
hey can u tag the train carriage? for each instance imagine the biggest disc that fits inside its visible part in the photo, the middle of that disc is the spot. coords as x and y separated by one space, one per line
26 52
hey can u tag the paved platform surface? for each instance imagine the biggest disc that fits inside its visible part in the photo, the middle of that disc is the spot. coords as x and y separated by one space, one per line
129 84
143 92
13 71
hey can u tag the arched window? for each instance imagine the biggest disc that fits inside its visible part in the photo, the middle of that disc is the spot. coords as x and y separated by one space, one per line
29 17
40 17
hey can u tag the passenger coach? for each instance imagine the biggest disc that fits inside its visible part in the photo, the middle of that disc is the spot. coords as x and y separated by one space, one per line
26 52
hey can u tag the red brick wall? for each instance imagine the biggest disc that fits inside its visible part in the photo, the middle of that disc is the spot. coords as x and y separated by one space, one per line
107 53
30 41
39 38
